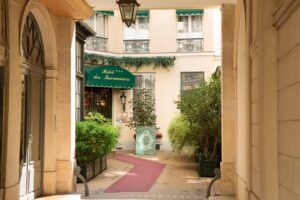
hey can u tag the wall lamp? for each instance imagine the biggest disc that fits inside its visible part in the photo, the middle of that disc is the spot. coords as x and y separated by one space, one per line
123 100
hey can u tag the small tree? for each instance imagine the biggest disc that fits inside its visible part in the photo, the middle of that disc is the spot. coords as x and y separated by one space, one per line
143 108
201 107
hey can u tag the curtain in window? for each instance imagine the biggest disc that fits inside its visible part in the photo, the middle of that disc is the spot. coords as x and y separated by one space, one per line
100 27
196 24
183 24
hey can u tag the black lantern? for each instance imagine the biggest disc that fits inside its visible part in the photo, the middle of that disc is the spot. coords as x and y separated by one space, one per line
128 9
123 100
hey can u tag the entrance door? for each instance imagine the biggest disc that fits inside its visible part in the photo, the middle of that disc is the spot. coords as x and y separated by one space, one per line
32 113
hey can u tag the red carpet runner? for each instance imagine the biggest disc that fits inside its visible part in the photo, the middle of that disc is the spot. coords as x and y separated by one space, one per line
140 178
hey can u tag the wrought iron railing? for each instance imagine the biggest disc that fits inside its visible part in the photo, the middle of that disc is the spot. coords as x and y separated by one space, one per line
136 46
96 43
190 45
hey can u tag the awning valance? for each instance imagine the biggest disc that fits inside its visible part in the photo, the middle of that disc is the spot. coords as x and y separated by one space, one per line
105 12
108 76
187 12
142 13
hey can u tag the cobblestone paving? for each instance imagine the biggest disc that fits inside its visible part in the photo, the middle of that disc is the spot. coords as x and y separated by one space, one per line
179 180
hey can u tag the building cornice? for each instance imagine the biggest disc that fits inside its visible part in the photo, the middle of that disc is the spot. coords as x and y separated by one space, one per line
77 9
283 11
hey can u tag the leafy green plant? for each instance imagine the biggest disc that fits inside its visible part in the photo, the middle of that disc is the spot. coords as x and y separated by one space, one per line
94 139
201 108
138 62
96 117
143 107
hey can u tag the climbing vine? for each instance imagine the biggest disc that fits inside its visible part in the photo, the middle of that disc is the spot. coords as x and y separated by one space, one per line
138 62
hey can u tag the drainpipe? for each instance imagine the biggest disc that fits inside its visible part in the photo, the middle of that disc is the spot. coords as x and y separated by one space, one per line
3 66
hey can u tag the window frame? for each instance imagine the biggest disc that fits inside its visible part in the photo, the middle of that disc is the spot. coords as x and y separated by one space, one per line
190 34
190 72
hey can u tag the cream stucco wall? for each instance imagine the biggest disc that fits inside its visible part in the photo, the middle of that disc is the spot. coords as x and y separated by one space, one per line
163 31
167 89
59 133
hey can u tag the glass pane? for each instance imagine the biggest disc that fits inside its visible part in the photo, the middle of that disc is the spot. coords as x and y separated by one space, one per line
100 28
191 80
79 56
196 24
78 98
182 24
35 117
143 23
23 141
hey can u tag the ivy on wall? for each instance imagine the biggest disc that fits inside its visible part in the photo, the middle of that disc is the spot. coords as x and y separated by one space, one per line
138 62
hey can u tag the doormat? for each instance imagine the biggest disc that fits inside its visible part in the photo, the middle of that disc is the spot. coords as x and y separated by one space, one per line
140 178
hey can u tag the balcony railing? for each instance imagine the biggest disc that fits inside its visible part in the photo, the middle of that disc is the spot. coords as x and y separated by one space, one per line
96 44
189 45
136 46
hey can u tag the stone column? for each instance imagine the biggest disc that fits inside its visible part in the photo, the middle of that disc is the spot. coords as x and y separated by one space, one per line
228 102
65 104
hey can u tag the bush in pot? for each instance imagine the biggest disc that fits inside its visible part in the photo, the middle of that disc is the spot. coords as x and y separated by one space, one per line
143 120
93 141
201 113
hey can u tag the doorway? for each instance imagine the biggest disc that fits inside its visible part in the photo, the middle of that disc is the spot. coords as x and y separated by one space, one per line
32 111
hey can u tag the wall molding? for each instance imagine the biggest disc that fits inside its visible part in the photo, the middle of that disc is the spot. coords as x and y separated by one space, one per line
283 11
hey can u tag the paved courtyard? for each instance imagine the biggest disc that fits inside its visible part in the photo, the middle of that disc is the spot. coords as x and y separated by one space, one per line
179 179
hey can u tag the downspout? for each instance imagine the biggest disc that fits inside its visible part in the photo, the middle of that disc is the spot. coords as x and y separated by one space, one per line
3 67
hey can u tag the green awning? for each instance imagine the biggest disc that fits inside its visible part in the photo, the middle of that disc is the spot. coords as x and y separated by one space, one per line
142 13
105 12
187 12
108 76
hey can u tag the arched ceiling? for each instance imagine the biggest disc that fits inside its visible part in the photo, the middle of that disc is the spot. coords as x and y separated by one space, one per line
161 4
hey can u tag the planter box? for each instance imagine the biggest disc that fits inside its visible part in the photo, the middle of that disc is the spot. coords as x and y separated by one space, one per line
206 168
87 171
98 167
103 163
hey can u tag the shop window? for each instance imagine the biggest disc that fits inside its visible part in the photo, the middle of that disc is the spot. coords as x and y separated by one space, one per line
191 80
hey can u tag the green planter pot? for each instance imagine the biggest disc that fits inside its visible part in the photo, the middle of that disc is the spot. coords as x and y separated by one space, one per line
206 168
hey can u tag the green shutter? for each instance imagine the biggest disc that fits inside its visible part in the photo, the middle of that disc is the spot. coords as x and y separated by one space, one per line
105 12
187 12
142 13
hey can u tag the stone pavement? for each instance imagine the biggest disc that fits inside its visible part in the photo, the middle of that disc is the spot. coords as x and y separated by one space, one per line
179 180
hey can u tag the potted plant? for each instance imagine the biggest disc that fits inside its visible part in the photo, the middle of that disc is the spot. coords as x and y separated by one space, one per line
143 120
94 140
201 113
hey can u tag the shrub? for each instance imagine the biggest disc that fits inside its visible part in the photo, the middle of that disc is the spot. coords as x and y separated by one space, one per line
94 140
201 108
96 117
143 107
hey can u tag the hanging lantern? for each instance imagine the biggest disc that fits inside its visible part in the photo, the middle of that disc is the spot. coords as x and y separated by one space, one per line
128 9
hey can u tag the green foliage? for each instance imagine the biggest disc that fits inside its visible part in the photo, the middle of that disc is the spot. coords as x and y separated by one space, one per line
143 107
138 62
201 107
96 117
180 133
93 140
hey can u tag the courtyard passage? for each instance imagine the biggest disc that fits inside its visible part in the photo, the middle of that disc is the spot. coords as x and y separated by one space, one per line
174 177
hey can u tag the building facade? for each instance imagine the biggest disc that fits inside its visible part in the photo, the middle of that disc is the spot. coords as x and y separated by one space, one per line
37 96
190 36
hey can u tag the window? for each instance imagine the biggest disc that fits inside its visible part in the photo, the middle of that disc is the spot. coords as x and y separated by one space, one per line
145 81
189 33
189 26
98 42
79 81
136 37
191 80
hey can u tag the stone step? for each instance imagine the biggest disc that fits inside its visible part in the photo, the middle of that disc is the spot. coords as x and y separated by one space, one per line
61 197
221 198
